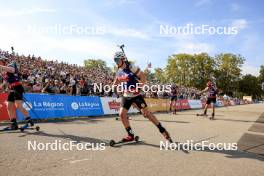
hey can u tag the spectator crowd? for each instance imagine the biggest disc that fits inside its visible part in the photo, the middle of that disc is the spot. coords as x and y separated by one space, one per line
53 77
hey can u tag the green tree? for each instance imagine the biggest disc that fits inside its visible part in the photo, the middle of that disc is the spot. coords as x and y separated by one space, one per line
149 76
178 68
202 70
228 71
190 70
159 75
249 85
261 74
95 63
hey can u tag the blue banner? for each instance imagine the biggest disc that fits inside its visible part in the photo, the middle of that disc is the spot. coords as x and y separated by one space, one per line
219 103
43 106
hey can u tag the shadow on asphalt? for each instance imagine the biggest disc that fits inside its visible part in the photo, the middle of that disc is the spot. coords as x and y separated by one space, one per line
237 154
77 139
84 120
237 120
233 154
161 121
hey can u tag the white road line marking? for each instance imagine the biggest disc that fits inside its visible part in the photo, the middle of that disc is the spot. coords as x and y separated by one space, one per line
76 161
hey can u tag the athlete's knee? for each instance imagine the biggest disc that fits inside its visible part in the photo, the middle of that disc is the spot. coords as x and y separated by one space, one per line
146 113
19 105
123 113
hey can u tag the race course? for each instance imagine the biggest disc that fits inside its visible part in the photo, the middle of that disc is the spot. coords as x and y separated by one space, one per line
243 125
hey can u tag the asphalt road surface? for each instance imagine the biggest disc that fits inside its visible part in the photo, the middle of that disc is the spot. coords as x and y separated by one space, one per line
242 125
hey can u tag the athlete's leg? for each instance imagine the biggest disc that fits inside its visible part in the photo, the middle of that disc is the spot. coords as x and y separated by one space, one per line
205 109
125 105
174 106
150 116
19 106
155 121
11 109
171 104
208 102
123 117
213 114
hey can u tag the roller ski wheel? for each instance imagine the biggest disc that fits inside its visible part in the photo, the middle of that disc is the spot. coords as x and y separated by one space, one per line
37 128
136 138
112 143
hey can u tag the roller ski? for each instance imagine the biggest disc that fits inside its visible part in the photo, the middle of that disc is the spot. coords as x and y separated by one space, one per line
11 127
14 126
201 115
29 125
128 139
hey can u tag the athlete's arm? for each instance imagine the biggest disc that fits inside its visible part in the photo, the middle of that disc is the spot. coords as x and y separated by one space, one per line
142 77
205 90
7 69
116 82
140 74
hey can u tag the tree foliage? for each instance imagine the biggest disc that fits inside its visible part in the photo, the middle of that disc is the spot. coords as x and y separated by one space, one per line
249 85
95 63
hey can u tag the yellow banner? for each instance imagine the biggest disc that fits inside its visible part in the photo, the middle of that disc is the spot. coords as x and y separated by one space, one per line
156 105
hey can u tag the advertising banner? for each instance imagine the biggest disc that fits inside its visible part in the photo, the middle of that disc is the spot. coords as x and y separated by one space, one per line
157 105
219 103
111 105
56 106
3 107
195 104
184 104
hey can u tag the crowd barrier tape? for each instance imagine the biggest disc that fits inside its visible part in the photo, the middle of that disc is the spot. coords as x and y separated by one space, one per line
58 106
